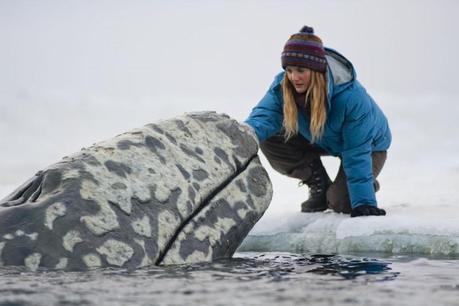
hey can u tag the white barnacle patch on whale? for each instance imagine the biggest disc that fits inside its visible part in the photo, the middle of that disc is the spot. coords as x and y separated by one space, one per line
92 260
19 233
242 212
70 174
116 252
62 264
53 212
223 225
167 223
199 256
32 236
32 261
162 193
196 256
142 226
103 222
183 207
70 239
8 236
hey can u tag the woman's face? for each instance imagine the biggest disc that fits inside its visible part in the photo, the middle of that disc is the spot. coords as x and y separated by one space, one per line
299 77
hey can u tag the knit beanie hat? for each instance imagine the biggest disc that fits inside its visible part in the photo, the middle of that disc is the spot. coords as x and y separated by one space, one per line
304 49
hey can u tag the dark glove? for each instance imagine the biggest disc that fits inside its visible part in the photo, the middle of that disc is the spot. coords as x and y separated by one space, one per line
367 210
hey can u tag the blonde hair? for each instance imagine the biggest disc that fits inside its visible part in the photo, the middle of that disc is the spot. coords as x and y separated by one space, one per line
316 95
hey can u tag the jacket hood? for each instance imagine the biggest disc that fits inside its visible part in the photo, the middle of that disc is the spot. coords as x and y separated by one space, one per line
340 73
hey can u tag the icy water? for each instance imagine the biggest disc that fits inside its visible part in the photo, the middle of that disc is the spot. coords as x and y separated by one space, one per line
247 279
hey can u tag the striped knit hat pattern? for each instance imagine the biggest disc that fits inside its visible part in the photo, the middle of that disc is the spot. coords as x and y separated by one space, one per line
304 49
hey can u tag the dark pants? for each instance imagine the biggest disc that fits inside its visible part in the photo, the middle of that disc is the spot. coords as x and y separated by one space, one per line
292 158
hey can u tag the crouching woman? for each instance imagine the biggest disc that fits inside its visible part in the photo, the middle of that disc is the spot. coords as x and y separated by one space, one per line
315 108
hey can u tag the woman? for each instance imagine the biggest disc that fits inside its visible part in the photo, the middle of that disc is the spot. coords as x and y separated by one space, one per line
316 107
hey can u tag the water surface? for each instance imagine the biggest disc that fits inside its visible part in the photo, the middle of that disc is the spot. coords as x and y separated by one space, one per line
247 279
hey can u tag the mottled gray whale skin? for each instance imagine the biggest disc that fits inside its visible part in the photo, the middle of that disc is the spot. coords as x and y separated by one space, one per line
184 190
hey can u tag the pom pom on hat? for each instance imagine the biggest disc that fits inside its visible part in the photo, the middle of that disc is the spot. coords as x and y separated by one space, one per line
306 29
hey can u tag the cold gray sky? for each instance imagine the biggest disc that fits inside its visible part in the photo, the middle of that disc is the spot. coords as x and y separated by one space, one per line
215 48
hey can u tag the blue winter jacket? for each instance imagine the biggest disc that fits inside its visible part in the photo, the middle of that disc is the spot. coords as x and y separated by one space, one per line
355 125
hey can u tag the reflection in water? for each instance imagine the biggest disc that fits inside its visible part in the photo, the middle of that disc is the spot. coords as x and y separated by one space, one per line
350 268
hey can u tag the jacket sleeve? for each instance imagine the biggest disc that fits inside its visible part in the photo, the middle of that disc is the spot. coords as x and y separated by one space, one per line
267 116
356 156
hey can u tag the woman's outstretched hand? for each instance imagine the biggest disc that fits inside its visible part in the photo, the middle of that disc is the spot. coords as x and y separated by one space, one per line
367 210
248 129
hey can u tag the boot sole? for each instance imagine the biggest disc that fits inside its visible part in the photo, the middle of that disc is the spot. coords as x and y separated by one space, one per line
313 210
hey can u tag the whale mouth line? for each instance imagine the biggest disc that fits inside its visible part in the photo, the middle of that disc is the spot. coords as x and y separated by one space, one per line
204 203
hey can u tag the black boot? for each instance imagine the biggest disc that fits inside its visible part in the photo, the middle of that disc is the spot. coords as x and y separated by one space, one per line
318 183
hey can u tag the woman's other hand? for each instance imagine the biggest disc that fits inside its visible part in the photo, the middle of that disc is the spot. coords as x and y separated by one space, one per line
367 210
